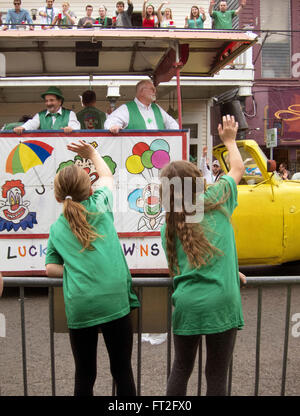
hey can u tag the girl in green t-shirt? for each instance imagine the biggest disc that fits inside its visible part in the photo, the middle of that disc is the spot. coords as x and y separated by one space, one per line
201 253
97 290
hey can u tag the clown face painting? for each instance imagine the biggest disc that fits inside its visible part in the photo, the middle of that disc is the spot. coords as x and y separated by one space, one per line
147 201
14 211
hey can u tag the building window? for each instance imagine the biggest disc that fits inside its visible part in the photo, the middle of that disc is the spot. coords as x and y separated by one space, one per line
276 50
193 128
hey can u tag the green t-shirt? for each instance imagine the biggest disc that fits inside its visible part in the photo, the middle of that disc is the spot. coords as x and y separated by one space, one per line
223 20
207 300
91 118
96 284
196 24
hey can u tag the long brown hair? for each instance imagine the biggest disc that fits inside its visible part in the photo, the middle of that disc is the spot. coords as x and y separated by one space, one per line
74 182
191 15
191 235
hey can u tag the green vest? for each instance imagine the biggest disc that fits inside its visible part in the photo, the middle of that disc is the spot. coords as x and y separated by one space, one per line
136 120
62 120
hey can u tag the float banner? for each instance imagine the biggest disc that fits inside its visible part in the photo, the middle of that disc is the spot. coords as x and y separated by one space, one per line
29 164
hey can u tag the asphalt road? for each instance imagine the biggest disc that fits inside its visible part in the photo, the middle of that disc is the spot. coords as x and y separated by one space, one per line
154 364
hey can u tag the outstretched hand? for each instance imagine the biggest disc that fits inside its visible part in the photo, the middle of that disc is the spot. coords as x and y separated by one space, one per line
228 131
82 148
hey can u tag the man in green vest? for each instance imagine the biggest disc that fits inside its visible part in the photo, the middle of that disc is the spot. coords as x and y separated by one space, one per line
141 113
54 117
90 117
223 17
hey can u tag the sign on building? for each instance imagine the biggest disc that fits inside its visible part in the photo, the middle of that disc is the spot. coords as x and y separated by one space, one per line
271 138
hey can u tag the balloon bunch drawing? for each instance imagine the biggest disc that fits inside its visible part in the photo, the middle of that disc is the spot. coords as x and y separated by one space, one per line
146 200
144 156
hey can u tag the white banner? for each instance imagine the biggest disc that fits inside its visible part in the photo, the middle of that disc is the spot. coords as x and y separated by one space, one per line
28 207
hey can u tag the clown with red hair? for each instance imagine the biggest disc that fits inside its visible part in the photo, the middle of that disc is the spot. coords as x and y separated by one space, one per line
14 212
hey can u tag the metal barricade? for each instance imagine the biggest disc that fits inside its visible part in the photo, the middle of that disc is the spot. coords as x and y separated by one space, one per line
145 282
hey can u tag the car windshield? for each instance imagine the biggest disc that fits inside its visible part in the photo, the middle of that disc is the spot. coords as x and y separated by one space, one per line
264 157
252 174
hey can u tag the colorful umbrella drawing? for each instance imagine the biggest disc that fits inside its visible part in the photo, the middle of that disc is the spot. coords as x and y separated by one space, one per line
27 155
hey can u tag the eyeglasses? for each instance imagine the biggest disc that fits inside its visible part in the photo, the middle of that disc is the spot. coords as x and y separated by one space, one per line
16 4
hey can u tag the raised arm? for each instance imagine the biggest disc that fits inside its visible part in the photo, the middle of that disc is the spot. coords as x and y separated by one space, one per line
241 6
202 11
211 7
186 22
227 134
87 151
144 9
159 14
203 166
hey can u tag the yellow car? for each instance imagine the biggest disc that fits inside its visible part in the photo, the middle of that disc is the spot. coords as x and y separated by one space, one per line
267 219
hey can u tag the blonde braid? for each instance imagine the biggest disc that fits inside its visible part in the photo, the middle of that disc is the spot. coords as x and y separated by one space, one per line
74 182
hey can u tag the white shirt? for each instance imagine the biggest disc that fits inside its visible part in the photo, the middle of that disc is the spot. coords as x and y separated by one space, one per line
34 123
51 14
120 117
205 171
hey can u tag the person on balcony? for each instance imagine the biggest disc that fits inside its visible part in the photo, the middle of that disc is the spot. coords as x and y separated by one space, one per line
17 17
103 20
141 113
150 20
87 21
54 117
48 14
223 17
197 18
90 117
66 18
123 18
165 18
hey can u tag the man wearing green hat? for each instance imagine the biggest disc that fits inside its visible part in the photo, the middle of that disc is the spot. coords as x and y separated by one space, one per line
55 117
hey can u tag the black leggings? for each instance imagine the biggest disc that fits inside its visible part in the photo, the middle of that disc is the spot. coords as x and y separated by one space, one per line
118 339
219 349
